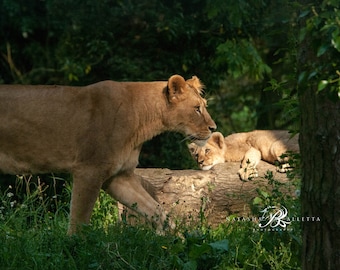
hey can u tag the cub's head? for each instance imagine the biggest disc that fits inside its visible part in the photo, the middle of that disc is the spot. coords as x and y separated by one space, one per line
187 111
211 154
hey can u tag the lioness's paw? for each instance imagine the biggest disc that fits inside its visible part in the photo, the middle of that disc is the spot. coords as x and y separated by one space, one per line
247 173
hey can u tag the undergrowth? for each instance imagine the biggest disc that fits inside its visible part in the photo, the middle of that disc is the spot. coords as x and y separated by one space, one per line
33 235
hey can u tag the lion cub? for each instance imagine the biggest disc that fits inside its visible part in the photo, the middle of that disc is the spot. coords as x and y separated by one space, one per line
248 147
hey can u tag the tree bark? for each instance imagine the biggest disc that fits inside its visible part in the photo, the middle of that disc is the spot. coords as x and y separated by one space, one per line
320 152
320 155
192 195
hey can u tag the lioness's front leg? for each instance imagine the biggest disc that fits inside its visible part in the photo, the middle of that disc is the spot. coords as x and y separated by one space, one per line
127 189
248 166
85 191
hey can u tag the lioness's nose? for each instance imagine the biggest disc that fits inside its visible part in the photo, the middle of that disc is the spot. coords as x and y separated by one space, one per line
212 127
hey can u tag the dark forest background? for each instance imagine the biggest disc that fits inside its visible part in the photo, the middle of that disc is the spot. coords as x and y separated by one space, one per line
243 51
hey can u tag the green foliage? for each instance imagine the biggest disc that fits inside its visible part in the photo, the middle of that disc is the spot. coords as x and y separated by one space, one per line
277 193
268 249
242 59
105 212
196 251
322 31
30 202
167 149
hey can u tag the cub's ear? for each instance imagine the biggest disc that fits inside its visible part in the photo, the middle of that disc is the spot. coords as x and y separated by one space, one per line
192 148
218 139
176 86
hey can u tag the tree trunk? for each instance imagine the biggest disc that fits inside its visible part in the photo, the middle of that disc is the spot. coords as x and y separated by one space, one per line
320 156
320 151
193 195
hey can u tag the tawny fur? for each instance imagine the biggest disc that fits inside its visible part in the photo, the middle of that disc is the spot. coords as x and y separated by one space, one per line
248 147
96 133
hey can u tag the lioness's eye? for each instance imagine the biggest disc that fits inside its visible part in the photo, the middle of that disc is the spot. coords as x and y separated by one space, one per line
198 109
207 151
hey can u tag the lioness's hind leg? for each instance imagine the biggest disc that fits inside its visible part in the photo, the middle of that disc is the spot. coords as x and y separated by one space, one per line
129 191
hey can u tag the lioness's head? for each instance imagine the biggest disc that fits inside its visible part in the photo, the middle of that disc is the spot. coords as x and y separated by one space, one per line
187 109
211 154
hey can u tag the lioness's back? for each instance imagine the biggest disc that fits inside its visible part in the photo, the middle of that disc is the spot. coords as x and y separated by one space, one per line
42 128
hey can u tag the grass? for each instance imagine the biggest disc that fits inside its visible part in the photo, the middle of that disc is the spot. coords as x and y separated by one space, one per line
33 236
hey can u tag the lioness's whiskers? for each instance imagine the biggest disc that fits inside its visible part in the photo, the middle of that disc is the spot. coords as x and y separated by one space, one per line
189 137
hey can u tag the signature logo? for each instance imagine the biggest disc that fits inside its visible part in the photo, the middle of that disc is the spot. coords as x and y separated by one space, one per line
274 216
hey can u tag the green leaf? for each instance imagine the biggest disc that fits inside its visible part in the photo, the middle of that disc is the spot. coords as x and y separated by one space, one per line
190 265
222 245
336 43
304 13
312 74
198 250
322 84
257 200
323 48
302 77
264 194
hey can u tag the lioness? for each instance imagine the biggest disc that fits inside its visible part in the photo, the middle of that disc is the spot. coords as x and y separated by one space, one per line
96 133
248 147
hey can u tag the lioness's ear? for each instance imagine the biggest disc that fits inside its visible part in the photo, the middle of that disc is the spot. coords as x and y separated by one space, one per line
218 139
176 86
196 83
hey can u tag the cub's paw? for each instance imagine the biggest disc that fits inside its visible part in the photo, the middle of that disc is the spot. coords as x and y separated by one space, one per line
247 173
285 167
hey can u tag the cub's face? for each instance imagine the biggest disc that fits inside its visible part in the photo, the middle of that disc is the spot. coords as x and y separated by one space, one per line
211 154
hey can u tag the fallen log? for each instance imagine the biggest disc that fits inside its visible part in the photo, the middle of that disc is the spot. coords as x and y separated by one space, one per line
190 195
